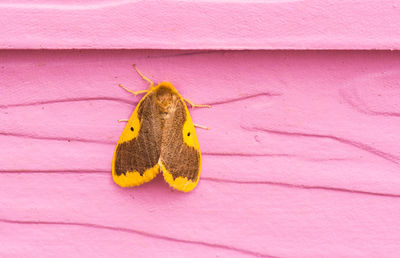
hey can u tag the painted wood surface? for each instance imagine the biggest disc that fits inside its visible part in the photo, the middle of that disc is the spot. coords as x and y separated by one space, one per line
302 159
206 24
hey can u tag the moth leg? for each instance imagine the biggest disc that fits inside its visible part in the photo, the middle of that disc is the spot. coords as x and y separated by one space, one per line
144 77
133 92
201 126
123 120
195 105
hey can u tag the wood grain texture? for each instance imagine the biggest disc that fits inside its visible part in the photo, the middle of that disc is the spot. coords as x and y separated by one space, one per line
302 158
206 24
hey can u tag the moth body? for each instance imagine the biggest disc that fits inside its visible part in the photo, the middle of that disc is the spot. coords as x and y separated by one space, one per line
159 135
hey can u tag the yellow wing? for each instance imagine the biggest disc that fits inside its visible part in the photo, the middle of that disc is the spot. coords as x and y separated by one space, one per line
180 158
138 149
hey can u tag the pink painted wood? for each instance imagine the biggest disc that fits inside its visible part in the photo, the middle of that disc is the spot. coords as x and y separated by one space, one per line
206 24
302 159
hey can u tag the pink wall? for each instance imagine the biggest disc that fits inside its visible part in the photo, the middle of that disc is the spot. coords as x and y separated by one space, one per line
303 155
302 158
204 24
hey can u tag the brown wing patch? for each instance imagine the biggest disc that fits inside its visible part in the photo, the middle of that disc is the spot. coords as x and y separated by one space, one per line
141 154
179 159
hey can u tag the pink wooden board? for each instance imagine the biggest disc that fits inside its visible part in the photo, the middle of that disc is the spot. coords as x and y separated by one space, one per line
302 158
206 24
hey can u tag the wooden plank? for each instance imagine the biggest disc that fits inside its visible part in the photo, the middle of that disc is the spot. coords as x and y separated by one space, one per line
88 212
302 158
228 24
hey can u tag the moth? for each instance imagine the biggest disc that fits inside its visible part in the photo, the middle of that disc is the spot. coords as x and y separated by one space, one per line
159 135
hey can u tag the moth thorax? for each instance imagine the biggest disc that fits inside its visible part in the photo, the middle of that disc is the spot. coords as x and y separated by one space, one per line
167 107
165 100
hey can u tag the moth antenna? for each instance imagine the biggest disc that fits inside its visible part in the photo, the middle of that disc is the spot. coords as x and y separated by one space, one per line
144 77
123 120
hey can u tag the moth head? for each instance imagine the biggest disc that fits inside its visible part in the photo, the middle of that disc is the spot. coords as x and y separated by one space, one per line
166 99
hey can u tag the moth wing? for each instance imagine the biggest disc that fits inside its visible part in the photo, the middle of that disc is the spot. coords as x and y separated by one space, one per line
180 159
138 150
